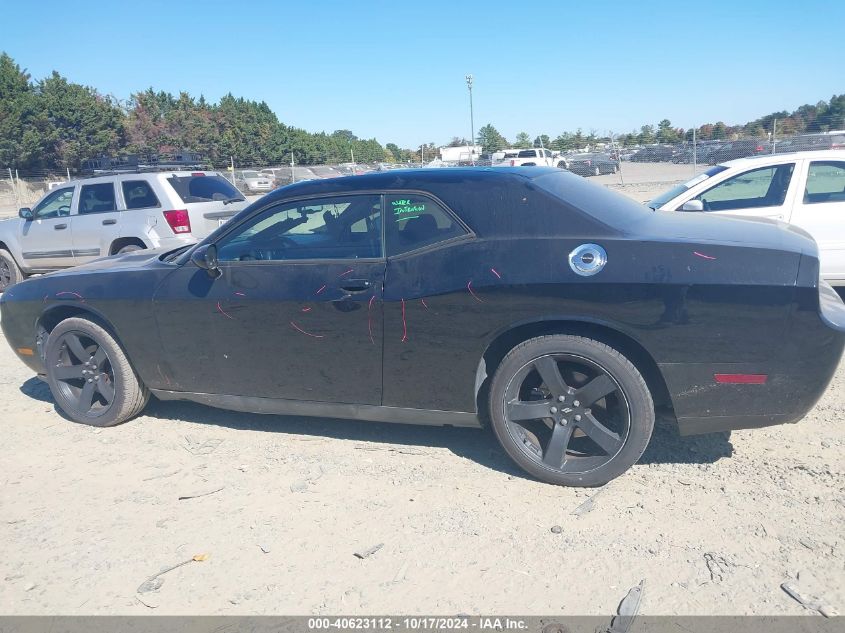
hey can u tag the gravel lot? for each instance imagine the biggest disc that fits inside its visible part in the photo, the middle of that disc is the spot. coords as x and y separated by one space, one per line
280 506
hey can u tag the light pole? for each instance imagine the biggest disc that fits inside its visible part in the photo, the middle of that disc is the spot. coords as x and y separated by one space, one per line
471 122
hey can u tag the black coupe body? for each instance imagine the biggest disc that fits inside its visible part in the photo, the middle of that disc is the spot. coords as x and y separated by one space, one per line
528 299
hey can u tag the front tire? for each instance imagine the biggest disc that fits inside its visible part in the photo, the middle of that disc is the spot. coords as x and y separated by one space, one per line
10 272
90 376
571 410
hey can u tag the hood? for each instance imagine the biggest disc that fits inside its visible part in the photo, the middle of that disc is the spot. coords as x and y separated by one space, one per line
129 261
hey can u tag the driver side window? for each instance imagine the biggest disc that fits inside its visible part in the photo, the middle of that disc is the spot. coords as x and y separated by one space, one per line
340 227
55 205
763 187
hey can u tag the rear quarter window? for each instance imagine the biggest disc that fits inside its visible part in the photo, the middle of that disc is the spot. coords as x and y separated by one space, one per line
138 194
203 188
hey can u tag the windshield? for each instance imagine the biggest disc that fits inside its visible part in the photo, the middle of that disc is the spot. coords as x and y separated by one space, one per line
252 174
666 196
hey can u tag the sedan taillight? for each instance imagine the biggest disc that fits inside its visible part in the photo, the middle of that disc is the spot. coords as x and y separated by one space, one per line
179 220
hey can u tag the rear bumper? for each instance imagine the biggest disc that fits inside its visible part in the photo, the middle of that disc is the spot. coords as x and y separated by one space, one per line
802 365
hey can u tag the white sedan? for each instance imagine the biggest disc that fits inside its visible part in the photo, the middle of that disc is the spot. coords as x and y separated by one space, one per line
806 189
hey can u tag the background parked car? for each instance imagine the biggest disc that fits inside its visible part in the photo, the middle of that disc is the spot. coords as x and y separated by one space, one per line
253 181
811 142
654 154
592 164
85 219
740 149
806 189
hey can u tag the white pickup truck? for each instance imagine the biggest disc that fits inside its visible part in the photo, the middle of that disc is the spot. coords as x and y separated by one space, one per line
528 158
806 189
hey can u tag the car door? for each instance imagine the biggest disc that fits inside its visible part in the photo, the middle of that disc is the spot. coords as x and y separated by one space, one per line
295 312
820 210
46 237
95 225
420 333
759 192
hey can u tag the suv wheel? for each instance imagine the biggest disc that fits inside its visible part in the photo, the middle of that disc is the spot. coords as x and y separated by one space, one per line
129 248
571 410
10 272
90 376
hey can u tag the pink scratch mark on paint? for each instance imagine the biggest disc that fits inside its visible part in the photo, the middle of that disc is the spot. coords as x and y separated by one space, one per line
404 323
474 296
702 255
306 309
240 294
370 319
223 312
69 292
425 305
346 273
299 329
493 270
323 287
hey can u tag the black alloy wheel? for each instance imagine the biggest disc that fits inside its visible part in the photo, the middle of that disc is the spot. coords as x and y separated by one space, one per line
83 373
573 411
90 377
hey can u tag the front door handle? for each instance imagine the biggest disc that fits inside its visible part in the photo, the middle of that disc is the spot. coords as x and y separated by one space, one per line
59 227
107 222
353 286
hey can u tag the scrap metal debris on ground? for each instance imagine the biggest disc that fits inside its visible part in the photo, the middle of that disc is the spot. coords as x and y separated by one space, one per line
628 610
808 601
369 552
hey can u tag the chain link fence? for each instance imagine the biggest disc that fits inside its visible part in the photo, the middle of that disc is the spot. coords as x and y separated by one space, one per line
640 170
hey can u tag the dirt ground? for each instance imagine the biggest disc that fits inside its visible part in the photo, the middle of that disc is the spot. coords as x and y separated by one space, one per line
281 505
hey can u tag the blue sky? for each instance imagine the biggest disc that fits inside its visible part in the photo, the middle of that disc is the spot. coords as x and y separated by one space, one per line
395 70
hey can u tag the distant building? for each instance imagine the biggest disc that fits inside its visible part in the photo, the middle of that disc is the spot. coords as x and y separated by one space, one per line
462 153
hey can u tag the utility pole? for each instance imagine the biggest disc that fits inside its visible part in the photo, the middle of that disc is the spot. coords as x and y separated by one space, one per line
352 151
422 154
471 122
292 174
694 153
774 135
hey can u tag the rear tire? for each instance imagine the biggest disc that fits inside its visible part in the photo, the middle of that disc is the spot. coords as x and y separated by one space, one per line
129 248
10 272
588 442
90 376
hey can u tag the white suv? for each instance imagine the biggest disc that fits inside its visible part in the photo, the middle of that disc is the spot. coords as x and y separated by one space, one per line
82 220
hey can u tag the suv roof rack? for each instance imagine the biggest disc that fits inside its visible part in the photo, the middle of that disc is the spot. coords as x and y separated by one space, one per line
141 169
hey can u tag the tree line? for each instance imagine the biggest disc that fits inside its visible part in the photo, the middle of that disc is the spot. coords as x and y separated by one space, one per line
821 117
53 123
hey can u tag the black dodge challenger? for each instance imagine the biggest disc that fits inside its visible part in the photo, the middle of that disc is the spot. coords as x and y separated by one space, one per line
554 311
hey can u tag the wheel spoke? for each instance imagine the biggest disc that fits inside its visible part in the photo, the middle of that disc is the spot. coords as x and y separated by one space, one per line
556 448
75 346
521 410
100 356
609 441
106 388
86 396
549 372
595 390
66 372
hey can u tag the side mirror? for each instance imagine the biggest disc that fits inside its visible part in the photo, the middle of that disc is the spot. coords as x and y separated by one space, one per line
25 213
693 205
205 257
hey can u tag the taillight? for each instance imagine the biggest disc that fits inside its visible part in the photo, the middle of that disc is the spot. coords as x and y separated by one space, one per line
589 162
179 220
513 162
759 148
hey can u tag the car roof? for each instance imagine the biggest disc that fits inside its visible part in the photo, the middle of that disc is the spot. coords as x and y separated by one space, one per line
137 175
833 154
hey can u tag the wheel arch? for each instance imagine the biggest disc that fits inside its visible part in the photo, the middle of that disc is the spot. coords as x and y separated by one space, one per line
120 242
625 343
55 314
